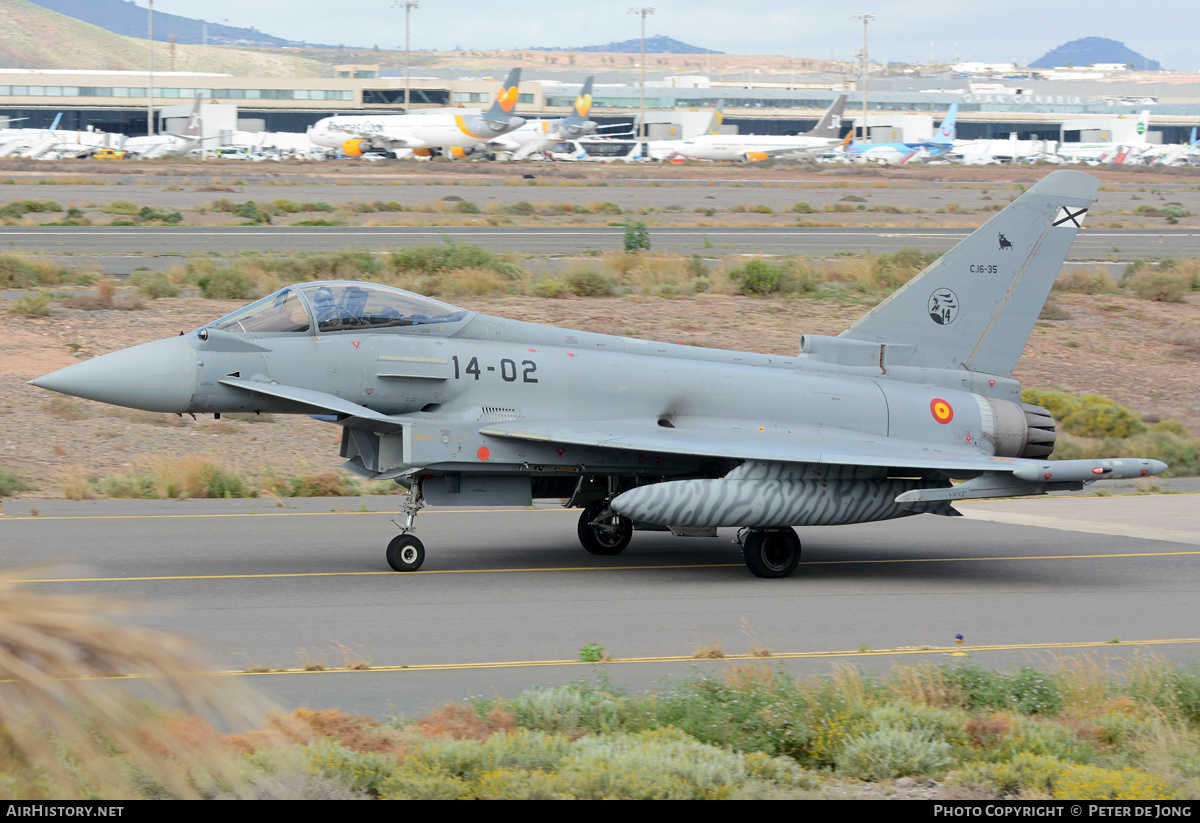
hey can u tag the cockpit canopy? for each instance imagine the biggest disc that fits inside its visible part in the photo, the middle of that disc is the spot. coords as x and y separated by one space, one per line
335 306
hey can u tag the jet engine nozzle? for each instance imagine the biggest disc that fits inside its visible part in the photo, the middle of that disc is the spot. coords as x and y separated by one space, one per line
1018 429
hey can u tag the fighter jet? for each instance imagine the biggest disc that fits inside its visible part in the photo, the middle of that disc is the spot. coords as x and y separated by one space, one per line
469 409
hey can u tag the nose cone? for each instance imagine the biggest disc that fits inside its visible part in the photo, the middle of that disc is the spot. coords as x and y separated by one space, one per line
159 377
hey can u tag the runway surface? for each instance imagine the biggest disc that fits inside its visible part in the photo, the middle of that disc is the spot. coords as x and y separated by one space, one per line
122 249
507 598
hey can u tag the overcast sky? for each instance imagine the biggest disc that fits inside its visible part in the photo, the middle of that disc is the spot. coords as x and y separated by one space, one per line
986 31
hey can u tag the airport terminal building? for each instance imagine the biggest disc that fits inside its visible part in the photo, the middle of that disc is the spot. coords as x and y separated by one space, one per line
117 101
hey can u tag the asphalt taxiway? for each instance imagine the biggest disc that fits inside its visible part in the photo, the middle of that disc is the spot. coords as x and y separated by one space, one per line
507 598
158 246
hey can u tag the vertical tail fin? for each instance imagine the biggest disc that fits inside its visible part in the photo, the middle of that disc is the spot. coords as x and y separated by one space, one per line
714 125
946 132
975 307
1142 130
192 129
583 103
830 124
576 123
57 120
506 99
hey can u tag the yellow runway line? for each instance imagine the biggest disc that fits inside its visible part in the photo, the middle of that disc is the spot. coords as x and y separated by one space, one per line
907 651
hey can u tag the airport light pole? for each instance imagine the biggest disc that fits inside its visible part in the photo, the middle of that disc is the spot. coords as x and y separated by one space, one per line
150 73
865 18
643 11
408 6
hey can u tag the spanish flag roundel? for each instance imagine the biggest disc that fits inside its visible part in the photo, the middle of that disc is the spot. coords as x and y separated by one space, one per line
943 412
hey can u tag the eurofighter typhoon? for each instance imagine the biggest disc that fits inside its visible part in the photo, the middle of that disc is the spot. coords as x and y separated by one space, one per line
911 408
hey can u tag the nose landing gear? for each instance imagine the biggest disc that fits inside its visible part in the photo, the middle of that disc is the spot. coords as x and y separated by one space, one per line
406 553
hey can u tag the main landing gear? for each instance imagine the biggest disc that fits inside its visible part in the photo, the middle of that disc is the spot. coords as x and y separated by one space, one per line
406 553
770 552
603 531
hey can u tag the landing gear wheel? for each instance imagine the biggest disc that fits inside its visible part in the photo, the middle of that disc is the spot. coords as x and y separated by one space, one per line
607 536
771 554
405 553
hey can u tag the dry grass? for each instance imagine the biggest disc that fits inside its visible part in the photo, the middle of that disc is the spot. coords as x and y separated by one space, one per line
757 647
64 710
75 484
463 722
1092 280
352 658
924 686
711 650
749 676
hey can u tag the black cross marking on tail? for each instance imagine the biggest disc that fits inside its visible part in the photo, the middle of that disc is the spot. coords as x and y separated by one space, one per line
1067 217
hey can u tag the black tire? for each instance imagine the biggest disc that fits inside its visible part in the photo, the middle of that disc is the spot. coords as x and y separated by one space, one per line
771 554
610 537
405 553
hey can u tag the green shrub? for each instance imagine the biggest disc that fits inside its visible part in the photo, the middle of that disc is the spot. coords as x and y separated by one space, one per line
124 207
129 486
226 284
31 304
251 213
607 207
284 206
1084 281
887 753
323 484
802 208
757 277
16 273
568 710
1100 417
1024 774
586 281
894 270
19 208
11 483
1028 690
637 238
172 218
1039 736
549 287
1089 415
436 259
1160 286
153 284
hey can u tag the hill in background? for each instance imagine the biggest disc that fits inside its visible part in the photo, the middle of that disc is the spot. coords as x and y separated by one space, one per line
126 18
33 37
1087 51
657 44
